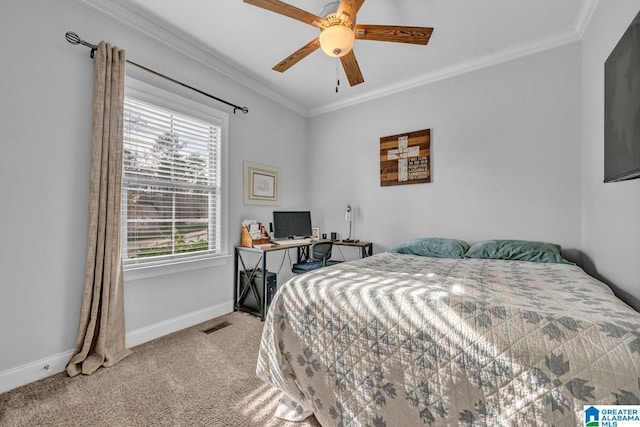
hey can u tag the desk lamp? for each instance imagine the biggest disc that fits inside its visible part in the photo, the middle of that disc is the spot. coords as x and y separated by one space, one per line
347 217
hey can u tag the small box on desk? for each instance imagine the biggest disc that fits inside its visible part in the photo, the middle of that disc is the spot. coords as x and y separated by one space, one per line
249 301
248 242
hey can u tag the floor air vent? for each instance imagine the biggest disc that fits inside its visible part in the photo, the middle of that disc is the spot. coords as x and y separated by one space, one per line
217 327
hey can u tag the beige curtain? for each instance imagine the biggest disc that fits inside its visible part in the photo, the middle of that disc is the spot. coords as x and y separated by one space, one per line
101 334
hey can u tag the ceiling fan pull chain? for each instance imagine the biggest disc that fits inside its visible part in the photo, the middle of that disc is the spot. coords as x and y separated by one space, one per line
337 75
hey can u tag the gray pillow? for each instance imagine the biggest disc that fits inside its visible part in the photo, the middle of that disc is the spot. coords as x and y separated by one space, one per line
518 250
434 247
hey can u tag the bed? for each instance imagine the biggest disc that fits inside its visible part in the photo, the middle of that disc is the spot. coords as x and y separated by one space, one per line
450 337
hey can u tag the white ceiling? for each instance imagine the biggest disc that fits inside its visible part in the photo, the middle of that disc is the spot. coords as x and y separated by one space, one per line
247 41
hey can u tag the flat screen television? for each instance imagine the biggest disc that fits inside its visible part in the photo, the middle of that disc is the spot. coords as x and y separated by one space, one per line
622 107
291 224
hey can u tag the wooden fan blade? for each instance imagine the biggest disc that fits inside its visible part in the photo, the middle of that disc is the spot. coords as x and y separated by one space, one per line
350 7
291 11
352 69
296 56
394 33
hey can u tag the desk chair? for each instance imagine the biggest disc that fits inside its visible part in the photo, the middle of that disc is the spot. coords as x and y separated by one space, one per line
319 256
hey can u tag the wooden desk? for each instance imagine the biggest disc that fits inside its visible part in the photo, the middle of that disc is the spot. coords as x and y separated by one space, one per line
302 250
366 248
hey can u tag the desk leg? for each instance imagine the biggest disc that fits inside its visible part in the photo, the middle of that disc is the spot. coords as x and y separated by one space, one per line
263 311
367 250
235 279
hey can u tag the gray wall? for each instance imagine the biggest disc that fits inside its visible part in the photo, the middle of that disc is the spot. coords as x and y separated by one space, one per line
45 117
517 153
610 212
505 149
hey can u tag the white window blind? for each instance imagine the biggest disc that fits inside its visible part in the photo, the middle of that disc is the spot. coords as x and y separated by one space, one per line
171 185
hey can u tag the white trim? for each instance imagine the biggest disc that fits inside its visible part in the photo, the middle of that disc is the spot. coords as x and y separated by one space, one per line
34 371
142 271
585 17
154 91
178 40
165 327
504 55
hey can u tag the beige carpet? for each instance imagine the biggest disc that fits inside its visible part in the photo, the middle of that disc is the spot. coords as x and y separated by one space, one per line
188 378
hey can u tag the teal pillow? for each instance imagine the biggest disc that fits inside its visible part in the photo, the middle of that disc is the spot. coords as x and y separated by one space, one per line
434 247
518 250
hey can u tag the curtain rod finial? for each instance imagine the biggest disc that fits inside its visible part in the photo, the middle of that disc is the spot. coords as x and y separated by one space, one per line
74 38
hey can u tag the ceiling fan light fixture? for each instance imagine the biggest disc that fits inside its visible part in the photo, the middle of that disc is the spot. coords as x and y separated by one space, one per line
337 40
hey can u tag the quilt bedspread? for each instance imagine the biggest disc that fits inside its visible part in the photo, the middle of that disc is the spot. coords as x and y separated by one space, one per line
403 340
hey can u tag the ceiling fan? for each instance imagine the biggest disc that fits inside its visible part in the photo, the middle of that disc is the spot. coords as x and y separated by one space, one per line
338 31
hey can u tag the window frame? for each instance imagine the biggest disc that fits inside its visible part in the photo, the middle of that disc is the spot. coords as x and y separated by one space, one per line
158 94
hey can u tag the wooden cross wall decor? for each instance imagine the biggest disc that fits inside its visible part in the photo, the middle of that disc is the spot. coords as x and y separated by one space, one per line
405 158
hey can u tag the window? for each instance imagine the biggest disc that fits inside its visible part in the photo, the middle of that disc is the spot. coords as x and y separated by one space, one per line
172 182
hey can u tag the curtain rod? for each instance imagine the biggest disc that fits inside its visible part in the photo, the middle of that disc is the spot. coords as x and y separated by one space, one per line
73 38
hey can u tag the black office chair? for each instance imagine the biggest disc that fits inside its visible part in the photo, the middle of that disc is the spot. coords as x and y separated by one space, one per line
319 256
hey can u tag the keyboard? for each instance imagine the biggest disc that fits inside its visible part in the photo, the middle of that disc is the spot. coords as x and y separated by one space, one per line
292 242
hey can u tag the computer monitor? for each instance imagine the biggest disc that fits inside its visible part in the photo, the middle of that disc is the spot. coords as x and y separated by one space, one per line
291 224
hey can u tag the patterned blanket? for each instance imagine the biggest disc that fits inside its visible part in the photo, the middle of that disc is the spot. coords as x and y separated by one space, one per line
402 340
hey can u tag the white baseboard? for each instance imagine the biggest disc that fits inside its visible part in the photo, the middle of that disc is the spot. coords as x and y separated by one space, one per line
34 371
157 330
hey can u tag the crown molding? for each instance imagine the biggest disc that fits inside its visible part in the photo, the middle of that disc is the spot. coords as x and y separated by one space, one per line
176 39
585 17
498 57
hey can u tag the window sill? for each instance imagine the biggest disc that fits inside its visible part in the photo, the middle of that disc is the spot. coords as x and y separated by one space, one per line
136 272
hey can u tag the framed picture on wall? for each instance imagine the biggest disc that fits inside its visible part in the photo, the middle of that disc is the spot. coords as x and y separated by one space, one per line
261 184
405 158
